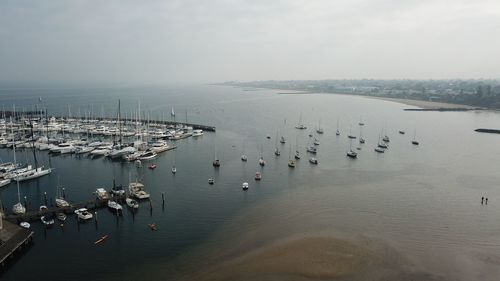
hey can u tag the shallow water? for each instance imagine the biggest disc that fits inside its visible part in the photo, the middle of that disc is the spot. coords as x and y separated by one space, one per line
417 205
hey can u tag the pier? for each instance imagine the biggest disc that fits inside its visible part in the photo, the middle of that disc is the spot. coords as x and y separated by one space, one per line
13 239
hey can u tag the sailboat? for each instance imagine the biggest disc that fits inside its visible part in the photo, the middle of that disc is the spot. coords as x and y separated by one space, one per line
18 208
414 141
351 136
276 150
337 132
261 159
361 139
297 153
60 201
300 126
172 113
216 162
244 157
174 169
291 161
381 144
351 153
319 130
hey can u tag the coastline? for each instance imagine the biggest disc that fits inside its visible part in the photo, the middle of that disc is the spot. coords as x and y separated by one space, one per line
426 104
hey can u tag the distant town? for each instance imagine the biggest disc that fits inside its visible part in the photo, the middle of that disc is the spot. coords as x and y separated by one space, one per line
478 93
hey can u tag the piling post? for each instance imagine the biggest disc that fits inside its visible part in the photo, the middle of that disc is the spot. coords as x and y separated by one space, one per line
45 198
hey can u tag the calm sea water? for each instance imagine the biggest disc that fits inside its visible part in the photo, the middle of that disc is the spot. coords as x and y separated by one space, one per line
423 201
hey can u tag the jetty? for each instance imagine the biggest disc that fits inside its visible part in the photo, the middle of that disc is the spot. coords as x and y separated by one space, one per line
13 240
490 131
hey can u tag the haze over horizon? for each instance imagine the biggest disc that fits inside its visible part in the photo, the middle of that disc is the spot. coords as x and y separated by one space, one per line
215 41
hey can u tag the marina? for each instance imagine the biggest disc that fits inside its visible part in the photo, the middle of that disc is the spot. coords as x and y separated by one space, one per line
201 200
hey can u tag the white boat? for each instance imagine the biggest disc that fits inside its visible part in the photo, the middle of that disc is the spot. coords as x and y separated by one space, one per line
386 138
300 126
262 162
33 174
101 151
25 224
174 170
18 209
84 149
245 185
147 155
83 214
282 140
316 141
313 160
119 152
297 155
211 181
161 146
379 150
61 216
197 133
136 189
244 158
351 153
258 176
132 203
61 203
113 205
4 182
102 194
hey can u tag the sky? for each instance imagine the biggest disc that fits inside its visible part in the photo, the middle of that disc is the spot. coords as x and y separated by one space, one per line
205 41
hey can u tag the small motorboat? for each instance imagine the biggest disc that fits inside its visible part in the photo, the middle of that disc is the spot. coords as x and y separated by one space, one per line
102 194
61 216
152 166
291 163
245 186
313 160
83 214
174 170
277 152
152 226
132 203
258 176
216 163
211 181
244 158
25 224
337 133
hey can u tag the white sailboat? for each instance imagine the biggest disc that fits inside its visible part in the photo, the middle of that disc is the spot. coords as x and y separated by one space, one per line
351 153
174 168
291 161
319 130
338 131
18 208
300 126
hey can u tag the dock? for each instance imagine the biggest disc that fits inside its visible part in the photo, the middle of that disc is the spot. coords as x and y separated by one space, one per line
13 240
34 215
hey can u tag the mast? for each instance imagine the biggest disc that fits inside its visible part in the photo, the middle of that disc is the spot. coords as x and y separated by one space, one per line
33 143
119 123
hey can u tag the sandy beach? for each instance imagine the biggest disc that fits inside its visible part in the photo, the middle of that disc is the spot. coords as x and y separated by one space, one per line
425 104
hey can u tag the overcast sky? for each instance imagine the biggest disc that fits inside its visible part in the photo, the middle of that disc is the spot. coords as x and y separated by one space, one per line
217 40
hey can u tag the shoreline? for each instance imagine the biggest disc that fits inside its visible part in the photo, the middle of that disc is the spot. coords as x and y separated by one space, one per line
429 105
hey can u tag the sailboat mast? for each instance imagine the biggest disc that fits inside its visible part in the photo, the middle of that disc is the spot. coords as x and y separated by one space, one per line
119 123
